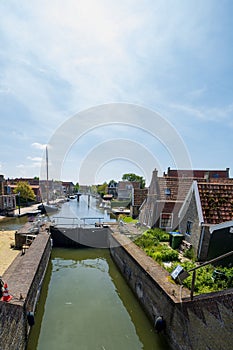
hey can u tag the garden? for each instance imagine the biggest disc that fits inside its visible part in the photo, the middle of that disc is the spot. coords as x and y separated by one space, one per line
209 278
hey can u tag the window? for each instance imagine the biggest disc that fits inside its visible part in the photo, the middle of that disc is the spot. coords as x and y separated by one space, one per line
165 220
189 227
167 191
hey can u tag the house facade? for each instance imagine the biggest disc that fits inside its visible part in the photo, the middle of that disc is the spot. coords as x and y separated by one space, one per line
7 199
206 218
34 183
164 200
68 187
138 197
125 189
166 195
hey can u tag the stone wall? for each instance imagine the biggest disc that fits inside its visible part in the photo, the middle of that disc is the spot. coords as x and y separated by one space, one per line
12 326
191 214
205 323
24 278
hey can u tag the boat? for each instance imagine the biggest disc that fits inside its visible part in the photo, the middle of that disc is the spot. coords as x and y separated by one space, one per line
105 204
121 210
72 196
47 208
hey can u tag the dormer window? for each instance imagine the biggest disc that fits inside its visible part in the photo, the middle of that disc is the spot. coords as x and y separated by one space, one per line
167 191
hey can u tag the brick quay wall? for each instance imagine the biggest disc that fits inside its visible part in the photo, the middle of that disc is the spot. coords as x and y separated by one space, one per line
24 278
204 323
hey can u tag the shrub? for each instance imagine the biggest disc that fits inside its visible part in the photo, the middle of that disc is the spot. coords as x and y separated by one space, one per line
161 235
127 219
146 240
190 254
165 253
205 281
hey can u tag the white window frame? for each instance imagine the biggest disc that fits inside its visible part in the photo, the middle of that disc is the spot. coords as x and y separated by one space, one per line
170 220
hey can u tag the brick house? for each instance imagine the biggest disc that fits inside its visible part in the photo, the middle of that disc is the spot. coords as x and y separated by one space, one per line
166 195
34 183
125 189
206 217
7 199
139 196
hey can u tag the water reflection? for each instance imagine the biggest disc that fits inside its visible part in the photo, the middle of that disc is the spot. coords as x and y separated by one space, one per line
13 223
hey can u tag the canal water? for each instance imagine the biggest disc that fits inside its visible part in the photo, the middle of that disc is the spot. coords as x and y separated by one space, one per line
85 303
12 224
85 212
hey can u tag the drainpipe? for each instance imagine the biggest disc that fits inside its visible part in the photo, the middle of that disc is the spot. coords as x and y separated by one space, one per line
201 241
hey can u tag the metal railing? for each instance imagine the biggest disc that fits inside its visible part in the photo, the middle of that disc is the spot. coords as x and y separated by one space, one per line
74 222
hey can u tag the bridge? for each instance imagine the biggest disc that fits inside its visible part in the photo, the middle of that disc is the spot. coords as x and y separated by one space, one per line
74 222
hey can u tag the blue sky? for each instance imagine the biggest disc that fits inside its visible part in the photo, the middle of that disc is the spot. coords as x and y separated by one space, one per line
59 59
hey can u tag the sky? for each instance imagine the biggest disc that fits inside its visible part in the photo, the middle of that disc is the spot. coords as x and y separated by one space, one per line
115 87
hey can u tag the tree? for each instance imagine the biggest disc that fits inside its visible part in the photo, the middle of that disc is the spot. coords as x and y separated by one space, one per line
102 189
133 177
25 191
76 187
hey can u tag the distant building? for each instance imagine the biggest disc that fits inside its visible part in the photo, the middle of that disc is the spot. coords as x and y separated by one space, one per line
199 174
125 189
68 187
166 195
138 197
84 189
112 189
7 199
34 183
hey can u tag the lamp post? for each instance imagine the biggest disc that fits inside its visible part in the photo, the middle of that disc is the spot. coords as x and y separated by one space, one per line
19 201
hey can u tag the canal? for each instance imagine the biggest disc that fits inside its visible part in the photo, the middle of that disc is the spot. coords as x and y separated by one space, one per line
85 303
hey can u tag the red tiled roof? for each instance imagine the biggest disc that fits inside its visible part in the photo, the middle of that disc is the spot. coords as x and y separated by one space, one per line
216 201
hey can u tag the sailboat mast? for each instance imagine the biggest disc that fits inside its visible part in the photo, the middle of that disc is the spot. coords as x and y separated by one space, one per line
47 176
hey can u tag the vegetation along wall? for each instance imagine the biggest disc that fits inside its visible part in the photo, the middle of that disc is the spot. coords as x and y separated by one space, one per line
205 323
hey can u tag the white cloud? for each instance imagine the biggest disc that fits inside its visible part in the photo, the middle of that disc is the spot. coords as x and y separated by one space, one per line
59 58
38 145
204 113
35 159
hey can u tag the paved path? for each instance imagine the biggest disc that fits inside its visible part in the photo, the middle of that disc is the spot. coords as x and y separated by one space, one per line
27 210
